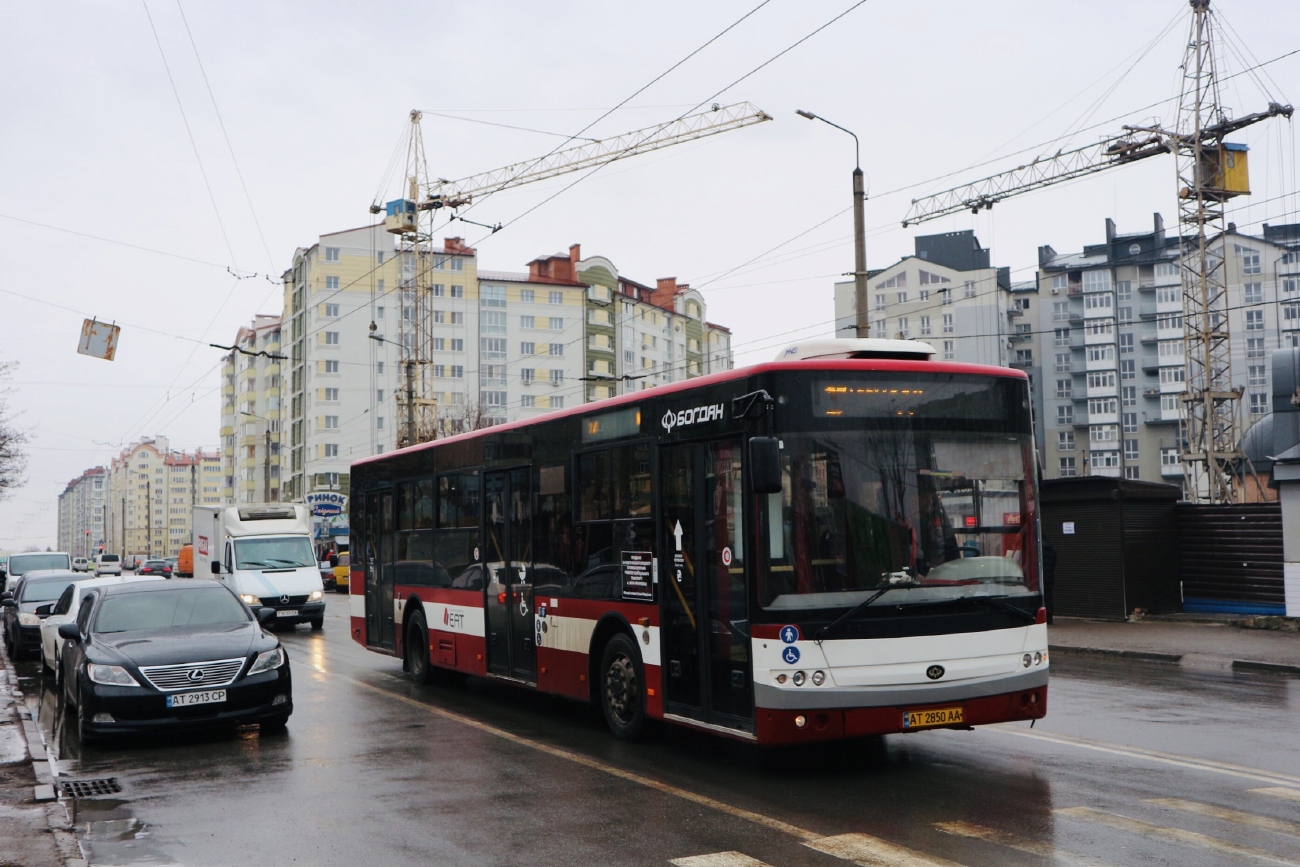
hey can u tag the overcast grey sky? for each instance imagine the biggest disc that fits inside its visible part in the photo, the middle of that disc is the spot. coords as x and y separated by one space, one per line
101 142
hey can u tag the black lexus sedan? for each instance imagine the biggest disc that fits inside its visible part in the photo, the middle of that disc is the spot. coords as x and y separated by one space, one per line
18 604
150 656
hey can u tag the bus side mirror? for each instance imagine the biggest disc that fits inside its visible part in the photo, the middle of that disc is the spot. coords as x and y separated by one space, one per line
216 567
765 464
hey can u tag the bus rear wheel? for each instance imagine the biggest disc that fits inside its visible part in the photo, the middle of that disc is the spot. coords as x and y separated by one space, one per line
622 688
417 649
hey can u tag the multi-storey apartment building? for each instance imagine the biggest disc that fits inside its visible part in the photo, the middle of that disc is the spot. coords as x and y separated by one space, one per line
250 414
503 345
1112 324
81 513
151 494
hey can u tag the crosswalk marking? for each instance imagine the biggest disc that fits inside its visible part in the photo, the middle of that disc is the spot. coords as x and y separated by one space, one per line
1280 825
873 852
1186 838
719 859
1278 792
1020 844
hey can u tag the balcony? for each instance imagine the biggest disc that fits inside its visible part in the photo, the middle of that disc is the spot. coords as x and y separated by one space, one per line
1150 363
1015 312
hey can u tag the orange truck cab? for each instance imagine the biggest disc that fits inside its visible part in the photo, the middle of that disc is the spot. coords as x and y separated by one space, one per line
185 562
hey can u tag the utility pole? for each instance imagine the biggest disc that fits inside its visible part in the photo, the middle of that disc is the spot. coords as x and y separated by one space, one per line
410 437
266 467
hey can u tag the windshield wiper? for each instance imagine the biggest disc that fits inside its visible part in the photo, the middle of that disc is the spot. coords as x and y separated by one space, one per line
1000 603
856 609
251 564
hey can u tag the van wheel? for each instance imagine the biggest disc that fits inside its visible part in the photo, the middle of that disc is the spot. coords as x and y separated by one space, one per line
622 688
417 650
318 624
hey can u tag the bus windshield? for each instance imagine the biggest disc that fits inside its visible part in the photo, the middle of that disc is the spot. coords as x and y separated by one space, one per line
936 505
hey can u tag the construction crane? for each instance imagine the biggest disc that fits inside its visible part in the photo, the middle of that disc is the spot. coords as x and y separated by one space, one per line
1210 171
411 218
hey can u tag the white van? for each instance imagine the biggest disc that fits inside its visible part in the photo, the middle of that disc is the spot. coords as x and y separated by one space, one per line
263 552
108 564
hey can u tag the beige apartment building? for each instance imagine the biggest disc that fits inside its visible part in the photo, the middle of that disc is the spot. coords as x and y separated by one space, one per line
151 494
250 414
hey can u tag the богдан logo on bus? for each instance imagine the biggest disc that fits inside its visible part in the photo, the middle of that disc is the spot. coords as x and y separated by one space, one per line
695 415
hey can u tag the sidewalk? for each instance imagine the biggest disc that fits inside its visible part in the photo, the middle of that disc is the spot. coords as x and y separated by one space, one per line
34 830
1222 643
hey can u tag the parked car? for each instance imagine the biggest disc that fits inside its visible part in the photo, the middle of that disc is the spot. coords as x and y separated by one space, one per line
150 656
18 606
80 564
66 608
108 564
155 568
341 573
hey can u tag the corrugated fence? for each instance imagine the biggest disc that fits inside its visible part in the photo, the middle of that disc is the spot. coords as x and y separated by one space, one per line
1230 558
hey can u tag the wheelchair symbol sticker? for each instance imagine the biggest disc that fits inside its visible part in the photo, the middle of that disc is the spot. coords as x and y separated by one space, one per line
790 655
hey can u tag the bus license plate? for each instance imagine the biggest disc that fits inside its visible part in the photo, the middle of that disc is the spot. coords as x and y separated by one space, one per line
185 699
943 716
288 612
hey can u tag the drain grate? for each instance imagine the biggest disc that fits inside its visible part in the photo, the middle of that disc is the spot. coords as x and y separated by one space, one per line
91 788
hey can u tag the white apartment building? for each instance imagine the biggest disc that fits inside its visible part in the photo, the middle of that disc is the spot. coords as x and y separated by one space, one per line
1112 325
949 296
250 414
81 513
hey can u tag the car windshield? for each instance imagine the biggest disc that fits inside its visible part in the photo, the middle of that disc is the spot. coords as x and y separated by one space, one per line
170 609
274 552
43 591
21 564
922 486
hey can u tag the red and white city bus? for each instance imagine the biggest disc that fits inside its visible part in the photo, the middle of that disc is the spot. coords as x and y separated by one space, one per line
839 543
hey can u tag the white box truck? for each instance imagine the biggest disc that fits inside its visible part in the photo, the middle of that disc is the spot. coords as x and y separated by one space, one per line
263 552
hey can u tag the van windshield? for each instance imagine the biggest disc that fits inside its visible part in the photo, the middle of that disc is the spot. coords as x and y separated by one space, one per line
21 564
274 552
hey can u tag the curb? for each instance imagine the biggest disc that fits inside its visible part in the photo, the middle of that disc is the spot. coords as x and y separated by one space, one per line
45 792
1176 659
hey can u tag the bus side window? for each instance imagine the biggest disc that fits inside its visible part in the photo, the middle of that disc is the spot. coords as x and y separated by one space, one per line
593 486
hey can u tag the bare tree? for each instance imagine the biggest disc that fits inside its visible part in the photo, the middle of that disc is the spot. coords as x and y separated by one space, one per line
462 417
13 460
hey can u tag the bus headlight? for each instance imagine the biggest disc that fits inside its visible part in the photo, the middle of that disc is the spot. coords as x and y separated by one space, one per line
1038 658
798 678
1028 660
818 678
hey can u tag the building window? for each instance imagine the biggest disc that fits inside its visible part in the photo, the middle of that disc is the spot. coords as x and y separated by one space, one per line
331 310
528 401
1096 281
1101 379
1170 458
331 338
555 297
1166 269
1254 320
1169 402
493 348
1127 368
492 322
332 365
557 377
1060 337
1101 301
492 296
1130 422
526 321
969 289
331 282
949 349
332 394
1254 347
1060 311
440 371
1254 292
379 395
331 422
1125 316
457 344
379 422
1169 375
945 296
331 254
1257 374
457 291
439 344
925 294
331 450
1128 395
1102 433
1249 259
1125 343
880 328
1130 450
1062 362
1102 406
379 368
1258 403
1024 356
557 401
557 323
527 374
1064 389
458 371
527 296
1068 469
925 325
948 327
556 349
1065 440
1124 290
1101 353
1064 415
903 332
1169 295
902 297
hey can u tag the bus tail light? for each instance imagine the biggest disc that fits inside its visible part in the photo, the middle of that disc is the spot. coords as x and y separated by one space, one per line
1040 617
501 598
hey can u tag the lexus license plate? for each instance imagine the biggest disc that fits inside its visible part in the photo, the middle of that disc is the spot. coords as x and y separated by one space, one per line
185 699
287 612
941 716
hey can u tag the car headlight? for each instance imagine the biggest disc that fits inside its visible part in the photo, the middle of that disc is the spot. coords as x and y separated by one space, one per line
110 675
316 596
26 618
249 599
267 661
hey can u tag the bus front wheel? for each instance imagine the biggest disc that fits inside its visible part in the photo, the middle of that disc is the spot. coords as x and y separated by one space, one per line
417 649
622 688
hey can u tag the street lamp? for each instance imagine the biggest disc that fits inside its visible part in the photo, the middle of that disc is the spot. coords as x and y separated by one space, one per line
859 230
266 456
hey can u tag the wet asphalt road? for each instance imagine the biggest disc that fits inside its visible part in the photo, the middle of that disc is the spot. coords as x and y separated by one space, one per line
1136 764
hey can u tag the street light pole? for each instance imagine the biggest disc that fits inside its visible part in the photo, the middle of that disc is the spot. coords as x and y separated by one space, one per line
859 229
266 456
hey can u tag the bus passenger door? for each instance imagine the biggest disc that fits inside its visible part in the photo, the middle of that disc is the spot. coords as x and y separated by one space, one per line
370 565
386 539
507 518
705 615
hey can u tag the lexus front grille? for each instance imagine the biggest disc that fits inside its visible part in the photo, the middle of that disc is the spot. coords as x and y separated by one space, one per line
193 675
